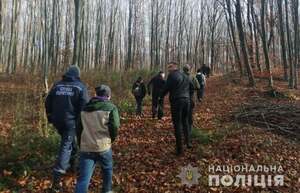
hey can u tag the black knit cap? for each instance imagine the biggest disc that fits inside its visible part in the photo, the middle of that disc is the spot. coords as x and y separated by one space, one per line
73 71
103 90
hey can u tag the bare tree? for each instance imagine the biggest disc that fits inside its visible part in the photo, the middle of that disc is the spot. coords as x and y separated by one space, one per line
295 18
12 50
256 35
282 39
229 19
239 24
264 42
214 16
77 4
46 36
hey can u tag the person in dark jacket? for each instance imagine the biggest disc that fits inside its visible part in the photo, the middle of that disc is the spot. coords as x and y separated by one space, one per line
205 70
202 81
63 105
98 129
155 87
139 92
179 87
196 87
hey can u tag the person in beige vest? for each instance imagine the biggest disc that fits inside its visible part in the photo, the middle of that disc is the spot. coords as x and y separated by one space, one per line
100 121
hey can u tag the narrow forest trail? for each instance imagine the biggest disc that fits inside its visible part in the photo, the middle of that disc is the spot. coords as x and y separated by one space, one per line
145 158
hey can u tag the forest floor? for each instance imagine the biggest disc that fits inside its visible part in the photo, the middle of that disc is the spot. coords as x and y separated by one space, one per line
144 153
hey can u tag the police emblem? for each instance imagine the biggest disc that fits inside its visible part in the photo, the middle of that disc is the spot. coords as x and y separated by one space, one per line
189 175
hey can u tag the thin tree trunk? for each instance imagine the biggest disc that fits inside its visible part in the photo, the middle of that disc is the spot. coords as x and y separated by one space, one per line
239 24
264 42
77 4
295 8
291 79
232 30
282 40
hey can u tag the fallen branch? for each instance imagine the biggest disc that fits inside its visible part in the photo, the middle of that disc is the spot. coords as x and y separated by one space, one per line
284 118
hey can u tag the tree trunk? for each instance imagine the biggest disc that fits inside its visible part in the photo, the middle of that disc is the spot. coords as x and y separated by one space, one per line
232 30
295 8
129 52
77 4
239 24
264 42
282 40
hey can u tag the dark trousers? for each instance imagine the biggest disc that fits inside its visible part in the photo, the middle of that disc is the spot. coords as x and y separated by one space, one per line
139 104
157 107
180 110
200 92
192 106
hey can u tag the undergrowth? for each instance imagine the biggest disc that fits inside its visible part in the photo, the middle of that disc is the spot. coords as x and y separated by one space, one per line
28 137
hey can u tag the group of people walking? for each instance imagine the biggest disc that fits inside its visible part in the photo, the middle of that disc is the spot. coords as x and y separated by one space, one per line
181 87
92 123
157 84
155 88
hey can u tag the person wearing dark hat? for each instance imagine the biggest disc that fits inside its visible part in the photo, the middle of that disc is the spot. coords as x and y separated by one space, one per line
205 70
63 105
100 121
196 87
178 86
139 93
155 87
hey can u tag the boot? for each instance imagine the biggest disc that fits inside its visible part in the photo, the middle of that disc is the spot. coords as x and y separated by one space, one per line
56 187
179 151
74 165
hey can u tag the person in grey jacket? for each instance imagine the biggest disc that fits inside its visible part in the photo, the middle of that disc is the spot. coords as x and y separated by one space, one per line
179 87
196 87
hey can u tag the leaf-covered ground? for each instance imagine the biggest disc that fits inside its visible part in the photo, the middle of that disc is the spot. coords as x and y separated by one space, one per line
144 155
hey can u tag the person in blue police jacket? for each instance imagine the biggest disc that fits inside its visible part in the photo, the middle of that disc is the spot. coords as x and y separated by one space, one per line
63 105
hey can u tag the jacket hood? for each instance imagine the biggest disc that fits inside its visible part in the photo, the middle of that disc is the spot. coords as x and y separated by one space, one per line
72 72
103 91
95 103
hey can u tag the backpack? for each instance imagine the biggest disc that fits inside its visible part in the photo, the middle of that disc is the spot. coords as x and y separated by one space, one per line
137 90
201 78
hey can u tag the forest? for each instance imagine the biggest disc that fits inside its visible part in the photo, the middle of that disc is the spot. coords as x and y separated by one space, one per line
46 36
249 115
